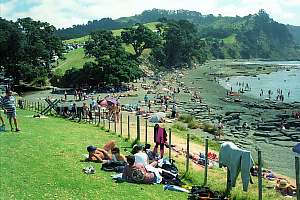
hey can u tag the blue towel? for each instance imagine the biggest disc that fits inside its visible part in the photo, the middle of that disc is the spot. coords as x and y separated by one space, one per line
296 148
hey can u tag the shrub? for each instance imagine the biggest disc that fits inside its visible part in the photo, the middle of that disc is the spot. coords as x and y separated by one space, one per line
179 126
186 118
194 124
210 128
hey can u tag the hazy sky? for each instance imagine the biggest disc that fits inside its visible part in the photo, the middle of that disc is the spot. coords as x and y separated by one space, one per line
65 13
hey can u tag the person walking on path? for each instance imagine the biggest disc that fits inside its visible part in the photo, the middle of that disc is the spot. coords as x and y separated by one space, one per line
174 111
8 103
65 94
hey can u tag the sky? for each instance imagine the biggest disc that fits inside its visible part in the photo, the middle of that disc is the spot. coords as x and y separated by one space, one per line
65 13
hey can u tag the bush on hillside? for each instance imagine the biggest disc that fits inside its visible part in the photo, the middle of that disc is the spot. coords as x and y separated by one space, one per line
210 128
186 118
194 124
180 126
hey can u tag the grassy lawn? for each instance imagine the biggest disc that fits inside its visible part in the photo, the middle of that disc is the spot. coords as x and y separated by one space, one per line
43 162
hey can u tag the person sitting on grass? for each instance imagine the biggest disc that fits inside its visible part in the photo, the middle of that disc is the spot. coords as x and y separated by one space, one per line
141 157
8 103
116 155
151 155
137 173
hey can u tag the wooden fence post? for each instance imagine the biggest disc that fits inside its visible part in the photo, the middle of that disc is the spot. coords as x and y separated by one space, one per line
115 122
128 127
138 128
121 124
99 117
108 124
103 122
170 144
206 161
259 175
297 166
187 163
146 131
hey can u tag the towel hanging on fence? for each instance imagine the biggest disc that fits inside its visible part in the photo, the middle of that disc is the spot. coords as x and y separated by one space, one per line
236 160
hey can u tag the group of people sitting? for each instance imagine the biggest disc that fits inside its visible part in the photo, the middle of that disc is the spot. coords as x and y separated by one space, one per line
142 166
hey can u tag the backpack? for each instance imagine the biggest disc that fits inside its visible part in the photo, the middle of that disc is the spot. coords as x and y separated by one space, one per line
171 167
115 166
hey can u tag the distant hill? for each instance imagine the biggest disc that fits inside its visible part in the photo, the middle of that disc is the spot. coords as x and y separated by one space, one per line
85 29
252 36
295 31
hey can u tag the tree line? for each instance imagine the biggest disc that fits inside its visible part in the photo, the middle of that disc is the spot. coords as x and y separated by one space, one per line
28 48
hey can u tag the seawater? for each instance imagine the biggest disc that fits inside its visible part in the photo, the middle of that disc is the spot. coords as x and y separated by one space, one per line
287 80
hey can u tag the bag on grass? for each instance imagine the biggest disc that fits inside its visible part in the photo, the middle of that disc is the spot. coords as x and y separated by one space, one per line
115 166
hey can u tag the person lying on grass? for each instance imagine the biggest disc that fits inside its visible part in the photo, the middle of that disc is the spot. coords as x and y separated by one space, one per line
108 152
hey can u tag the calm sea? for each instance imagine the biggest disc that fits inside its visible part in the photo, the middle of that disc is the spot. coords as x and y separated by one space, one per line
258 87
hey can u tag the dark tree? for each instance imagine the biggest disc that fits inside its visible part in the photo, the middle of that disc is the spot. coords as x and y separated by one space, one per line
28 48
140 38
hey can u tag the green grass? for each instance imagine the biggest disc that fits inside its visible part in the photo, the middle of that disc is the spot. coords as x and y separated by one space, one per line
77 40
115 32
230 39
43 162
74 59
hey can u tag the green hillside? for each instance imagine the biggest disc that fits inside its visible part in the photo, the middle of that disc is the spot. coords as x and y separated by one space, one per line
230 39
115 32
73 59
76 58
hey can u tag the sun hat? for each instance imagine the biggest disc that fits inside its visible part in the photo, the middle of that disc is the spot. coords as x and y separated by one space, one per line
91 148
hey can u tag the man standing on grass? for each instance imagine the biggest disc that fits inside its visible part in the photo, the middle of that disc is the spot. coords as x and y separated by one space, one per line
8 103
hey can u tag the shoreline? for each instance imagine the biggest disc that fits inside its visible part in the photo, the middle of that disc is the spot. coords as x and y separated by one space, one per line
252 115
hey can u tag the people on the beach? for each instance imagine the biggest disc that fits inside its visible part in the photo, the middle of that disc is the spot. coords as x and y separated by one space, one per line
220 129
174 111
8 104
65 95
